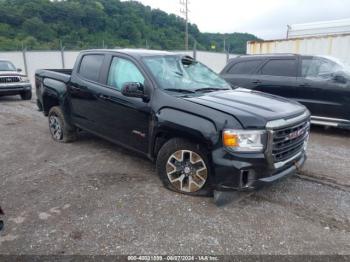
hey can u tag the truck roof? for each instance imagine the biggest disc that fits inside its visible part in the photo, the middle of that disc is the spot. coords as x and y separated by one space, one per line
134 52
268 55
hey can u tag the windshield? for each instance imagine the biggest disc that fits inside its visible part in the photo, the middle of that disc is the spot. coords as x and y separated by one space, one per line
342 66
7 66
323 68
183 73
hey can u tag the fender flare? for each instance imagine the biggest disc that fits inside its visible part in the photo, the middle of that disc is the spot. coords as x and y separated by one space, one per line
172 123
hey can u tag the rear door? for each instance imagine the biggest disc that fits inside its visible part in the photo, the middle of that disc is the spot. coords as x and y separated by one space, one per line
277 76
239 72
320 92
82 89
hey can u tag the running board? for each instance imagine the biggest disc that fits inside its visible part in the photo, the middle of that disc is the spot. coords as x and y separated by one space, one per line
327 121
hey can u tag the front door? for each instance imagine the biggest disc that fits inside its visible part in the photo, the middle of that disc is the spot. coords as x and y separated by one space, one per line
320 92
126 119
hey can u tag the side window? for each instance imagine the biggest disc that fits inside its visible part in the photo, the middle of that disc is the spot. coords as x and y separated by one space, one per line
318 68
280 67
123 71
90 67
246 67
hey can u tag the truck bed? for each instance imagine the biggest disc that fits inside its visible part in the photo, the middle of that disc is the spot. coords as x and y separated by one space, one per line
56 74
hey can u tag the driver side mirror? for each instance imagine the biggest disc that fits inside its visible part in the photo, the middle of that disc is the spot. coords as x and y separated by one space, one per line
19 70
134 89
339 78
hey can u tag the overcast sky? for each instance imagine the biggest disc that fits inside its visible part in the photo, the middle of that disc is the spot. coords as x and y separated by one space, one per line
267 19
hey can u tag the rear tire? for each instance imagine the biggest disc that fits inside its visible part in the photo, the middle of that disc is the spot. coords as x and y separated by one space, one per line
27 95
60 129
184 167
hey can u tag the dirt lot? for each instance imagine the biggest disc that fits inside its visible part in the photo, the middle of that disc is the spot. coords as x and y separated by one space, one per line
92 197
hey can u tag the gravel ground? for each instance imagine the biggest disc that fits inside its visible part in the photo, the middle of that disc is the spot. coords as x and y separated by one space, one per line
92 197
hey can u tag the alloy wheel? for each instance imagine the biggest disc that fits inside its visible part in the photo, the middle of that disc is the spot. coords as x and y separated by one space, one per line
55 127
186 171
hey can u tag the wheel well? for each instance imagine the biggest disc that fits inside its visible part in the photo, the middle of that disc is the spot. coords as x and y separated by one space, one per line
48 103
163 137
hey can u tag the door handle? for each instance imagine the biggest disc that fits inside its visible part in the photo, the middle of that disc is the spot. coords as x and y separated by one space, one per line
305 85
75 88
104 97
256 82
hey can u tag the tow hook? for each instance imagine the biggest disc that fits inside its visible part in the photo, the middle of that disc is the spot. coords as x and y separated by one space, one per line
297 166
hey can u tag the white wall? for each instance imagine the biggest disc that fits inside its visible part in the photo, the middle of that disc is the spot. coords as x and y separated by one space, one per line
53 59
69 58
42 60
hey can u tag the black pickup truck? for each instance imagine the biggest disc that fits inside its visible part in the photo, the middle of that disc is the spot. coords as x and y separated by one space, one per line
202 134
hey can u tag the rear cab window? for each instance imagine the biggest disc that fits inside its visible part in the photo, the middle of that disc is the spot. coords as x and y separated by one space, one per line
244 67
90 66
280 67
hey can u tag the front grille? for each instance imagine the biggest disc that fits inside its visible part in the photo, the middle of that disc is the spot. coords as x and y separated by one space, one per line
9 79
289 141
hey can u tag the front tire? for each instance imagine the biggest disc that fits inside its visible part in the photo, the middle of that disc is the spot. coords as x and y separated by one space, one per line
60 129
184 167
27 95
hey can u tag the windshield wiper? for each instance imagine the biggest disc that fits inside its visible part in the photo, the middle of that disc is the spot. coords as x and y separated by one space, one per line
210 89
179 90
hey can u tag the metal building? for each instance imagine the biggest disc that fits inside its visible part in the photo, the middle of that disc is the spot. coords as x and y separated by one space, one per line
323 38
334 27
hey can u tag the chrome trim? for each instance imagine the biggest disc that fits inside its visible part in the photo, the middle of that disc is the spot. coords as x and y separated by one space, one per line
15 84
277 124
323 123
280 123
10 76
328 119
268 151
282 163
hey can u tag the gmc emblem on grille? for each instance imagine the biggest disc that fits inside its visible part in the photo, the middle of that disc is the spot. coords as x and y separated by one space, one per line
9 79
295 134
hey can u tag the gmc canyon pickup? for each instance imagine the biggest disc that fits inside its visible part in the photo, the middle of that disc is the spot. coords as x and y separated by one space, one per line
202 134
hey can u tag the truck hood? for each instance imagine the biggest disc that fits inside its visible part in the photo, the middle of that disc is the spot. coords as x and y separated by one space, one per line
252 109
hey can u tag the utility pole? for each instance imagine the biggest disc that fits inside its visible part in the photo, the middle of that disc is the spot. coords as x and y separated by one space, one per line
288 29
224 44
185 11
62 54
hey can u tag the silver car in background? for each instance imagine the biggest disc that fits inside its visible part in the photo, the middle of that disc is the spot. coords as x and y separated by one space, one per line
13 82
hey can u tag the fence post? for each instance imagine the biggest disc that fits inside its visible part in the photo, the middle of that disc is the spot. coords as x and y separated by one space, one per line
227 56
195 50
24 50
62 55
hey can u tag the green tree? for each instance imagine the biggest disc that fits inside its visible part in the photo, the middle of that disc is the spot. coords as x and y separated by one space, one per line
42 24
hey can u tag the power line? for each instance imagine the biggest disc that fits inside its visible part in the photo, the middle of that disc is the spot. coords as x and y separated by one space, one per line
184 10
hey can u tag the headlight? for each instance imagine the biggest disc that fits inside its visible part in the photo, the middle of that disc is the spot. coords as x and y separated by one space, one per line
244 140
24 79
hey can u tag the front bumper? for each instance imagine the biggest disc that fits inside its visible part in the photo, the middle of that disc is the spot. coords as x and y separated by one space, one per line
286 143
247 172
14 88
